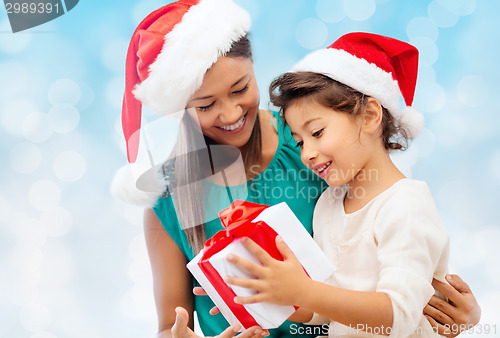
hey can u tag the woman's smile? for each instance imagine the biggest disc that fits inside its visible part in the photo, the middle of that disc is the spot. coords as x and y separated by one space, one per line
235 127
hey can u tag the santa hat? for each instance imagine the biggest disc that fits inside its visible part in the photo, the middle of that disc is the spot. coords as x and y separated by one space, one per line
378 66
168 56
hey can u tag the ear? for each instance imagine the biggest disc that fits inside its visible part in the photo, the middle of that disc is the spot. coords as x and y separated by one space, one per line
372 116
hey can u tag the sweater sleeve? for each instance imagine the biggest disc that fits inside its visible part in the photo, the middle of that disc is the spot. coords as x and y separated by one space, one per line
412 244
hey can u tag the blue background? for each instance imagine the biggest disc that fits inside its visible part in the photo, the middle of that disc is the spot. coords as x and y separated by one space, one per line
73 261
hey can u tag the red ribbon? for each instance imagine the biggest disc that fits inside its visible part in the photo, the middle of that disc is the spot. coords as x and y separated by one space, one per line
237 221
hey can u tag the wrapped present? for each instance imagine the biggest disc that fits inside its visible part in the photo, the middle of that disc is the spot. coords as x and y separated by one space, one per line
262 224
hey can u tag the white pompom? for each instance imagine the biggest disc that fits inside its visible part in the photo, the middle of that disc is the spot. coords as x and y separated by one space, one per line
412 120
124 188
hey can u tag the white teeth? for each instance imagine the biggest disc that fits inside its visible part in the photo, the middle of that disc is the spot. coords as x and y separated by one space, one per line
320 169
234 126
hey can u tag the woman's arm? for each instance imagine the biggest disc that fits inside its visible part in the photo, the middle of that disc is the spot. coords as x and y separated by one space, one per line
171 280
172 286
459 314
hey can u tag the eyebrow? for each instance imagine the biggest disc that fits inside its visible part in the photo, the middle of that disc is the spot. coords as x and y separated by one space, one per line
306 123
210 96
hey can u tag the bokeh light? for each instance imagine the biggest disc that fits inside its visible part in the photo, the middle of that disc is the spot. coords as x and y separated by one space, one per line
441 15
472 91
56 221
311 33
25 157
422 27
64 91
44 195
330 11
36 127
63 118
69 166
359 10
13 114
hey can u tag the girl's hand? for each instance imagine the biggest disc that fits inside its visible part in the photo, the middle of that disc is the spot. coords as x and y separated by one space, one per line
459 314
277 282
181 329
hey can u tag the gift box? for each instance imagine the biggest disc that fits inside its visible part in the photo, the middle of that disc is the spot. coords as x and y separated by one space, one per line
262 224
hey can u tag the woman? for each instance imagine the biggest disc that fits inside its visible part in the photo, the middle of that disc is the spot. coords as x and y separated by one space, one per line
195 54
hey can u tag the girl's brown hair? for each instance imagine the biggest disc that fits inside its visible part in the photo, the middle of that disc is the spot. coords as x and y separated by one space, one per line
330 93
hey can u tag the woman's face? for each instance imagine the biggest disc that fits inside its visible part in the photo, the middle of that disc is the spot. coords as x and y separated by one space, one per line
227 102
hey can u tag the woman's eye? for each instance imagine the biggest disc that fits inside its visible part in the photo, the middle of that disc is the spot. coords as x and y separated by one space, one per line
242 90
318 133
205 108
300 144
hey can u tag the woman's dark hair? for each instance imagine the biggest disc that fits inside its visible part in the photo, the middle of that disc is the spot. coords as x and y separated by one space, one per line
241 48
330 93
190 206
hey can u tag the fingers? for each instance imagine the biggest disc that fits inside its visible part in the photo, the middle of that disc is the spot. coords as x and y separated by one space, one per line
458 284
260 253
439 328
284 250
230 331
437 315
253 284
257 298
199 291
443 306
254 332
251 267
180 327
213 311
448 291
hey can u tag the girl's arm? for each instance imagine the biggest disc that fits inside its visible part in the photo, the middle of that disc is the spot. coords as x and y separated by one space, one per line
285 283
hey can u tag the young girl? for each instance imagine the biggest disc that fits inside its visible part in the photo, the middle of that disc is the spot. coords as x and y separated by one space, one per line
380 229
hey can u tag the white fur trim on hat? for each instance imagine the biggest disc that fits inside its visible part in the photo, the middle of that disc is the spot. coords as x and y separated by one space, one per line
357 73
124 188
190 49
412 121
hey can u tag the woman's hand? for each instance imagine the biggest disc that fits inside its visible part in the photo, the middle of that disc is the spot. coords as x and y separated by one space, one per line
459 314
181 329
277 282
199 291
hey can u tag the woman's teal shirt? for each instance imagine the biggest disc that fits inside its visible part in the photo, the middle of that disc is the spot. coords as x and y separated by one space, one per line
285 179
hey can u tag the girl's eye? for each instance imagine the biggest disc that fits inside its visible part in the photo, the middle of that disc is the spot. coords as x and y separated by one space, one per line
300 144
242 90
318 133
205 108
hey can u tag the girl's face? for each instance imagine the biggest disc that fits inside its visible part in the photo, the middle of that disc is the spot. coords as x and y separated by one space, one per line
227 102
330 141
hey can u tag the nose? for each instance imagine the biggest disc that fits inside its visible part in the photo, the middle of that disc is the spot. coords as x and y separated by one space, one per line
230 112
308 153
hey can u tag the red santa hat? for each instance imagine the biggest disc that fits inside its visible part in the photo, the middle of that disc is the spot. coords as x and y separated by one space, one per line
168 56
378 66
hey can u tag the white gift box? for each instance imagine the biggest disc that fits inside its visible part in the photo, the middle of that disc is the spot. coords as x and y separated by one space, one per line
280 218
